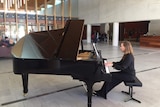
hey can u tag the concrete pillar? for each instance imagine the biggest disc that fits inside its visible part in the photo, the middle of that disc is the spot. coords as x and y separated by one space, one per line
89 33
106 31
115 34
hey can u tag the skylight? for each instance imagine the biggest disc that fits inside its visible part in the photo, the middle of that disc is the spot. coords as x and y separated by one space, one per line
58 2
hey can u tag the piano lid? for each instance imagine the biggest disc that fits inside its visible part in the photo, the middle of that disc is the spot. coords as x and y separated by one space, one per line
60 43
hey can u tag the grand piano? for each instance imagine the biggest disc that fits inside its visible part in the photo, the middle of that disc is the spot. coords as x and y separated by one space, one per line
57 52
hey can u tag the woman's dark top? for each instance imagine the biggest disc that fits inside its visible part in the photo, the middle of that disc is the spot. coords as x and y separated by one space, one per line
126 65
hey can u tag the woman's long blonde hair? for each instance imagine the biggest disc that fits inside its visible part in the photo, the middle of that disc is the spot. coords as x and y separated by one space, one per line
128 47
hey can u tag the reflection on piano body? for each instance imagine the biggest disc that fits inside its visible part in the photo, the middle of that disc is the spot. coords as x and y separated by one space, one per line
57 52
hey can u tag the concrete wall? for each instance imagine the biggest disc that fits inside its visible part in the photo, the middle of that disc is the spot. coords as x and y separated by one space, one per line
104 11
74 9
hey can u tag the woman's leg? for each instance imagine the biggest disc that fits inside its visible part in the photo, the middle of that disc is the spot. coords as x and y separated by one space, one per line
108 86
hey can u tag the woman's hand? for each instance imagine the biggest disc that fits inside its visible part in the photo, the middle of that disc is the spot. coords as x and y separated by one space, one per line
109 64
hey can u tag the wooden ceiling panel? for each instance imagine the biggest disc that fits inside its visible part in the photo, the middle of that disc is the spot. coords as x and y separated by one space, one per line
1 6
30 5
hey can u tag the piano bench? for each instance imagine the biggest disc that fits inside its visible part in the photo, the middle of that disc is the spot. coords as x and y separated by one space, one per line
135 83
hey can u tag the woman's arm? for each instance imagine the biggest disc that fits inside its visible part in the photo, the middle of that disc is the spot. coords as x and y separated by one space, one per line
123 64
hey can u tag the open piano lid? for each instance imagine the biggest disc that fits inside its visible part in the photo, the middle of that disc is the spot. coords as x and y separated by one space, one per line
60 43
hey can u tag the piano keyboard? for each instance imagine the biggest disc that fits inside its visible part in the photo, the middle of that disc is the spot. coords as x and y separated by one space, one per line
106 67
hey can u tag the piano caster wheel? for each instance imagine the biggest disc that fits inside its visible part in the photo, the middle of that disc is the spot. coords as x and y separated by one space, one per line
24 94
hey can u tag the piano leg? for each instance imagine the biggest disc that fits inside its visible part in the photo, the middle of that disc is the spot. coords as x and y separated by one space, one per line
89 88
25 82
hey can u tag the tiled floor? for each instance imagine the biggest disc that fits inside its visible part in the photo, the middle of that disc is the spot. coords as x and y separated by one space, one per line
43 88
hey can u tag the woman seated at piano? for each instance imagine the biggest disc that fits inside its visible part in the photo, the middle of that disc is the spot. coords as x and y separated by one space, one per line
125 67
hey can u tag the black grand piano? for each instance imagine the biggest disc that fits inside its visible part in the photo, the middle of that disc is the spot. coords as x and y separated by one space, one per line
57 52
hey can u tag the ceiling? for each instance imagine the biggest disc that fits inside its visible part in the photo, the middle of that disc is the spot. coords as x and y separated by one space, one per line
30 3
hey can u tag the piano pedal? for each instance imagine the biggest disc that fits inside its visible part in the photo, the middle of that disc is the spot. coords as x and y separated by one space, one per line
93 93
